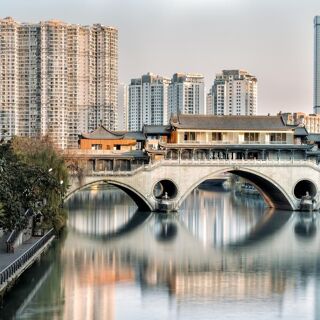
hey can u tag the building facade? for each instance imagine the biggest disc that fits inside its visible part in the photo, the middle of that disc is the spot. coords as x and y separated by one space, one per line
57 79
148 101
123 107
186 94
316 90
209 102
234 92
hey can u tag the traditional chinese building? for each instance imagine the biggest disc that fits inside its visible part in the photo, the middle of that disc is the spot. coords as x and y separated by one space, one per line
234 137
105 150
104 139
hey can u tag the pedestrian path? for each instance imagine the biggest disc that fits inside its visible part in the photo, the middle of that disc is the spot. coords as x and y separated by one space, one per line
7 258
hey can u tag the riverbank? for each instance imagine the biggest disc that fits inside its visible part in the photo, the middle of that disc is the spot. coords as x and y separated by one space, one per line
13 265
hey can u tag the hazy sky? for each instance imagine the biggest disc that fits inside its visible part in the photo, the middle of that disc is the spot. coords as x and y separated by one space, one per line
273 39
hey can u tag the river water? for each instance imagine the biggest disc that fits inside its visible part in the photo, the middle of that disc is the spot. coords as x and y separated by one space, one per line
220 257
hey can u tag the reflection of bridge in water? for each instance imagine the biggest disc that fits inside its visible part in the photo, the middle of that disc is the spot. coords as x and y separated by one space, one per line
214 253
269 236
258 265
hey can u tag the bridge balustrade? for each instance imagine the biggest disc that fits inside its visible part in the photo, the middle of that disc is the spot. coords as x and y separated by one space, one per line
208 162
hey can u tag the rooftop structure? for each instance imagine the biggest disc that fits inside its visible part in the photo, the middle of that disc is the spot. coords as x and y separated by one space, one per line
212 122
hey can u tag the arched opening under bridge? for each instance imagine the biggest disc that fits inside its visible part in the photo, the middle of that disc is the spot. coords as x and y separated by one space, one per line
135 195
272 193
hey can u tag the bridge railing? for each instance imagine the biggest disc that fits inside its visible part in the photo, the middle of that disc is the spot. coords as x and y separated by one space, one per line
206 162
11 241
13 267
266 162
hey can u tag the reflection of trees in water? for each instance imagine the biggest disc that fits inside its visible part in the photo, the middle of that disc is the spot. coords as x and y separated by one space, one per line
216 219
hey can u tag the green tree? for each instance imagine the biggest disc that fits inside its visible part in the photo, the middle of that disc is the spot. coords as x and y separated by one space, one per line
32 176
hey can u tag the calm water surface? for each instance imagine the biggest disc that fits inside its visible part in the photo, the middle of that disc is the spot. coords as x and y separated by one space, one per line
220 257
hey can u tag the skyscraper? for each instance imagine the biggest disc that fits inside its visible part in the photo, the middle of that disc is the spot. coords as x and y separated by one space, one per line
316 81
57 79
186 94
209 102
234 92
148 101
123 107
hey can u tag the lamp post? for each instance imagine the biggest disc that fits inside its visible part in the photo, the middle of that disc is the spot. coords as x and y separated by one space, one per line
61 200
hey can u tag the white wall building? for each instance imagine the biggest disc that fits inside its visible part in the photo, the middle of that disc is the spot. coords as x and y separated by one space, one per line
57 79
186 94
316 90
148 101
209 102
123 107
234 92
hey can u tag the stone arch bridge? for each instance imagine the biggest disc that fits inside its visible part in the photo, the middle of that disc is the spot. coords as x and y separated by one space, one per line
164 185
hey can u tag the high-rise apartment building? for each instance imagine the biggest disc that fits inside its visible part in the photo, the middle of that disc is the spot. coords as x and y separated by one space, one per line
209 102
57 79
316 81
123 107
234 92
148 101
186 94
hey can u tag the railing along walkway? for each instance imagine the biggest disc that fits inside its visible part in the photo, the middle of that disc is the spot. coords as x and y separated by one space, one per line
210 162
11 263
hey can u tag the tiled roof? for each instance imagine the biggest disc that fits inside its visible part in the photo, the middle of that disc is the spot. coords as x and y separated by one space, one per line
300 131
156 129
212 122
314 137
101 133
135 135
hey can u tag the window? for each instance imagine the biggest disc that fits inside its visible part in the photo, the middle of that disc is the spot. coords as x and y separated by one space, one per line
189 136
216 136
96 146
276 137
251 137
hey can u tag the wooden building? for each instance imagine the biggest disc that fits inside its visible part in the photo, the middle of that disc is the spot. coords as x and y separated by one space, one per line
104 139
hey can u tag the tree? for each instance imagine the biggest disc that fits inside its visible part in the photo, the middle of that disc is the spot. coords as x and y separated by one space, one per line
32 176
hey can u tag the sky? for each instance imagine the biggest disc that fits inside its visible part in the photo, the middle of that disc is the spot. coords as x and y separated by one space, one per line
272 39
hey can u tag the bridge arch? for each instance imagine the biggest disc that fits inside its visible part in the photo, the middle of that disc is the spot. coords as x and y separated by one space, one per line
140 200
274 195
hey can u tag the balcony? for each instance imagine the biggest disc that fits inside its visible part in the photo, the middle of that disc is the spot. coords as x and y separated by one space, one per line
226 142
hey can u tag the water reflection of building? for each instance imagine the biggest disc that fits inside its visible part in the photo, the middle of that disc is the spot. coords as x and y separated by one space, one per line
89 281
215 220
231 285
97 273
